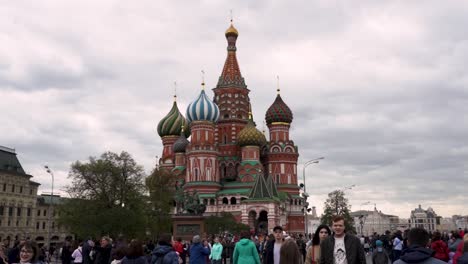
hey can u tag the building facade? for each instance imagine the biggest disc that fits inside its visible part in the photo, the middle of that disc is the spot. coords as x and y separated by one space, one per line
426 219
228 161
370 222
24 214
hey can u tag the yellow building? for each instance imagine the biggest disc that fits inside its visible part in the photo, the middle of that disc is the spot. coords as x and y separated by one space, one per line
24 214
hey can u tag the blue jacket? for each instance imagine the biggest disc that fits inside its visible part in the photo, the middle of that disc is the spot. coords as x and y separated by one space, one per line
198 253
166 253
417 254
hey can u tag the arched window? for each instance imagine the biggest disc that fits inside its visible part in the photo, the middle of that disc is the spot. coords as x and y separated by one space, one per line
212 202
196 174
225 200
205 201
225 139
295 202
233 200
277 178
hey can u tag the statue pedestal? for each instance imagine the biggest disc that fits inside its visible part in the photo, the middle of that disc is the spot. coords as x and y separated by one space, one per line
187 226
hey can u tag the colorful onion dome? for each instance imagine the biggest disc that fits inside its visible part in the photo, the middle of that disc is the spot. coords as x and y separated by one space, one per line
232 31
171 124
181 143
202 109
278 112
250 135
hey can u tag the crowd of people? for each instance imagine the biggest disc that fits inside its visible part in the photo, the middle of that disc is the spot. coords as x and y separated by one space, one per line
326 246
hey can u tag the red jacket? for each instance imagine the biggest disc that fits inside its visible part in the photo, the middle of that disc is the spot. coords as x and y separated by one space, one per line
441 250
458 253
178 247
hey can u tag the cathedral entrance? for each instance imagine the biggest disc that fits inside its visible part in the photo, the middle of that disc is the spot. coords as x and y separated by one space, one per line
262 223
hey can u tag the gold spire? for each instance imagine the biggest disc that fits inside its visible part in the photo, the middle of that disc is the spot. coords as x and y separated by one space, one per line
232 29
182 129
175 91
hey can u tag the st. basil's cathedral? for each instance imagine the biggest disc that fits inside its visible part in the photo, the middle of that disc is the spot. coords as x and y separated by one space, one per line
228 161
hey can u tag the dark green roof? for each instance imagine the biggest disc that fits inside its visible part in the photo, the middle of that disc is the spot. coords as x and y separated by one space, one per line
260 189
272 186
9 162
45 199
233 191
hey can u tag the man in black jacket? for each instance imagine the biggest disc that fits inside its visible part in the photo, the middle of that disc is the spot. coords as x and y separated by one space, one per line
273 247
341 248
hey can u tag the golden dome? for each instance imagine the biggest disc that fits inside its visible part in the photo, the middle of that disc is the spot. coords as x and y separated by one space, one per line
232 31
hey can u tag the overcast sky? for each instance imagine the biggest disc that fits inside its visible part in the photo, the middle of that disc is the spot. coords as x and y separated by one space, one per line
378 88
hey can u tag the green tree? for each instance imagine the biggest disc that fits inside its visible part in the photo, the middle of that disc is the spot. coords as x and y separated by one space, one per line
222 223
107 197
337 204
161 186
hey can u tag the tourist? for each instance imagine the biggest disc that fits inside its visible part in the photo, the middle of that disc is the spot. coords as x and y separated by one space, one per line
88 247
439 246
3 257
135 253
14 253
273 247
417 252
245 251
77 255
198 251
216 252
313 253
459 252
289 253
301 244
456 240
119 254
341 248
66 252
380 256
29 253
464 258
397 246
179 248
164 253
103 251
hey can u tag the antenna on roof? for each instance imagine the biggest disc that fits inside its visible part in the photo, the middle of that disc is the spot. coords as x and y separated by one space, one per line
277 84
203 79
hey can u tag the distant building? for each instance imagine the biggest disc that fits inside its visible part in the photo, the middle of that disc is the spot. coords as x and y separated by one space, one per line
370 222
426 219
447 224
313 221
460 221
24 214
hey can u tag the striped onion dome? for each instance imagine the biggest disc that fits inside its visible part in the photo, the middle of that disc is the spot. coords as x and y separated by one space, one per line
181 143
251 136
202 109
171 124
279 112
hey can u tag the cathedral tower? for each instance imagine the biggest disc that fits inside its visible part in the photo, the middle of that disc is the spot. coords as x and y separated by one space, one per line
232 97
169 129
202 172
283 154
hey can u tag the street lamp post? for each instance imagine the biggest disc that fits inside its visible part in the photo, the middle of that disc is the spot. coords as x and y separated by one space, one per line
312 161
48 170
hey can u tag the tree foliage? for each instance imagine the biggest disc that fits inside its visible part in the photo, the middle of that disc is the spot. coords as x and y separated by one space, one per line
337 204
224 223
161 186
107 197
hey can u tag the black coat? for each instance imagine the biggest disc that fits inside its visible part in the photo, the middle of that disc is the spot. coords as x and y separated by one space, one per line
103 254
354 250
